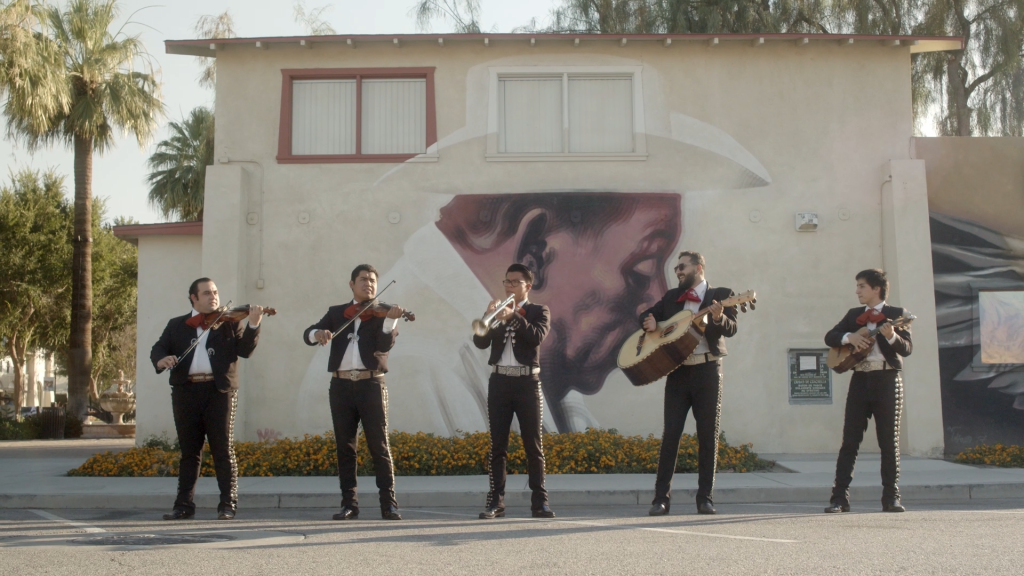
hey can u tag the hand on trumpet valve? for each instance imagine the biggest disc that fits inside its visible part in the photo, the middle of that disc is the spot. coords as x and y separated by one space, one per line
506 312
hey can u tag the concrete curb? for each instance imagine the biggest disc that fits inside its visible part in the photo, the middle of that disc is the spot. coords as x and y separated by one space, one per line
442 499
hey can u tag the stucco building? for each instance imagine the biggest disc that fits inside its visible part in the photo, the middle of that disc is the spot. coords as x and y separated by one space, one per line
440 159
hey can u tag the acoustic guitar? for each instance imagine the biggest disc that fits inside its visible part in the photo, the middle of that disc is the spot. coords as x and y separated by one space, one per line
842 358
648 356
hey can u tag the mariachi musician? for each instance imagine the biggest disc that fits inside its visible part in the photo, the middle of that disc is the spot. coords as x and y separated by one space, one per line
696 384
514 388
201 350
361 333
876 388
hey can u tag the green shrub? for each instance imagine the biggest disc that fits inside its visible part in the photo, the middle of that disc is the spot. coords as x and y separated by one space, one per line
13 430
72 426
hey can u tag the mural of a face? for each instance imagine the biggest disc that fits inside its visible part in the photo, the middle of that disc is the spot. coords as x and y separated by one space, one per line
598 260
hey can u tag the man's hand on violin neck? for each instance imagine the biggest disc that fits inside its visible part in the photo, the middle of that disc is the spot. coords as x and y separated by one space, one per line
323 336
167 362
395 311
255 315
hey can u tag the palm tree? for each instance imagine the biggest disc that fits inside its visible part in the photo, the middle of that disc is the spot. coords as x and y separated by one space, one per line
101 90
28 75
178 167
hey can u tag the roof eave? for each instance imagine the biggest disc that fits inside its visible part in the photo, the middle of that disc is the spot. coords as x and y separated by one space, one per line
209 48
132 232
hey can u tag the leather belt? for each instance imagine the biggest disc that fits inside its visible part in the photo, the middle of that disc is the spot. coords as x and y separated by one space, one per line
200 377
516 370
872 365
354 375
694 359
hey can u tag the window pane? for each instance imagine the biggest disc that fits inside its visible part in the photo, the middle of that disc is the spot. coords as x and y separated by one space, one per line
324 117
530 115
600 114
394 116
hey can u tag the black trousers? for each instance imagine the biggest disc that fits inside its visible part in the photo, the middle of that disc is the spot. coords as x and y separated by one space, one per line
363 401
878 393
522 397
201 413
698 387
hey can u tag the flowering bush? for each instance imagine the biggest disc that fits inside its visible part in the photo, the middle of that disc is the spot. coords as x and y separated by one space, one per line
421 454
993 455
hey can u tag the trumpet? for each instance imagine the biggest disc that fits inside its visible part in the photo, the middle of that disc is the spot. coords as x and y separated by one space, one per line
483 325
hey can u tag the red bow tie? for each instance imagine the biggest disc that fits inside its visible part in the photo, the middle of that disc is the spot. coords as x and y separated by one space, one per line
350 312
522 311
870 315
198 321
689 296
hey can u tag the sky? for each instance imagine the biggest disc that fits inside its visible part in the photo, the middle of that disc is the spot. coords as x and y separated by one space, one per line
120 174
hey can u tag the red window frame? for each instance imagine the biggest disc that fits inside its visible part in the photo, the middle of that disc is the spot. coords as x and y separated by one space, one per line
284 140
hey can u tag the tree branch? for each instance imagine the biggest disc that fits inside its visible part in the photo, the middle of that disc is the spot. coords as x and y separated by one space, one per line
985 12
987 76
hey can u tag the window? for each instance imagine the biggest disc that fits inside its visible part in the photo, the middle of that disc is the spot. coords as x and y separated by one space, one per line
575 113
357 115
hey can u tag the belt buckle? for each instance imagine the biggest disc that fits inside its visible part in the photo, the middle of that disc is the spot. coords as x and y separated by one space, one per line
353 375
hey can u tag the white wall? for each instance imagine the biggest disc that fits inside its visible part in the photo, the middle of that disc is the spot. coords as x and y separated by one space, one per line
167 266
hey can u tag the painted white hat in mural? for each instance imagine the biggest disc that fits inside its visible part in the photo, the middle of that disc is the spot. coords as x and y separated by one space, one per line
598 229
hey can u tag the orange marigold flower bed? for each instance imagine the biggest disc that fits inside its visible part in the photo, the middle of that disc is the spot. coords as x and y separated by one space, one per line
421 454
993 455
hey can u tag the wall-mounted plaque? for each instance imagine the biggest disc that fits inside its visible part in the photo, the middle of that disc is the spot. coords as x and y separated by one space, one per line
810 381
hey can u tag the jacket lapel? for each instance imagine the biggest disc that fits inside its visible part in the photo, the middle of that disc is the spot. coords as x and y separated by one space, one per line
709 296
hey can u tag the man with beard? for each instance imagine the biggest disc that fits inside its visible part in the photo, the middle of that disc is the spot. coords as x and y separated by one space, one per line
696 384
514 388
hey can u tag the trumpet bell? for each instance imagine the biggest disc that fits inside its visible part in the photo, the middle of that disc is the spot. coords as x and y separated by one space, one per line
479 327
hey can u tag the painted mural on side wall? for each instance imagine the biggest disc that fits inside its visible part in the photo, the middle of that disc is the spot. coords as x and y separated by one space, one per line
979 301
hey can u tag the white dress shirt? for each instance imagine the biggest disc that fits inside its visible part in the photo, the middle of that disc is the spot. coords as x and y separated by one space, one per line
876 353
351 360
701 289
201 362
508 357
200 356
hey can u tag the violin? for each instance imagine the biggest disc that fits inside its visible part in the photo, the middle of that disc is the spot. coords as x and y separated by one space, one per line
225 314
377 310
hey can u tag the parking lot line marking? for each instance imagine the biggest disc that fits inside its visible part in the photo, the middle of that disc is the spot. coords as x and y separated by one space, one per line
88 528
675 531
626 527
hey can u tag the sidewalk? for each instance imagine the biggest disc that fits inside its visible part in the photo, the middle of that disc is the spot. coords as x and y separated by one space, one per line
33 475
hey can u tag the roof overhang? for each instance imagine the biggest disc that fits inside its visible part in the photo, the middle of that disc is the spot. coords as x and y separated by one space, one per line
209 48
133 232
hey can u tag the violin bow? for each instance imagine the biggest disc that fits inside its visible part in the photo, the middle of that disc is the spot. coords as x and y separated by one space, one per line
369 304
196 341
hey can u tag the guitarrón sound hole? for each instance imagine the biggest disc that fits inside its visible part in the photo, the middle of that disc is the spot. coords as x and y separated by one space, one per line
671 328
